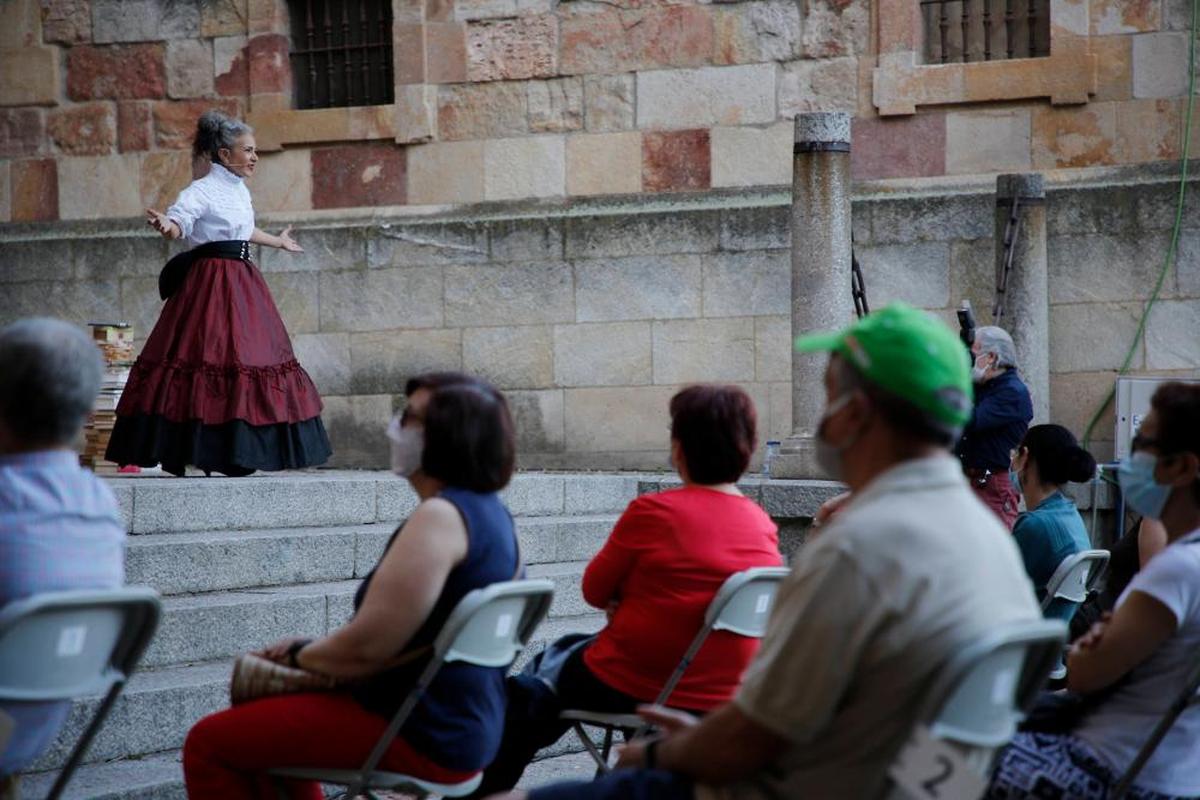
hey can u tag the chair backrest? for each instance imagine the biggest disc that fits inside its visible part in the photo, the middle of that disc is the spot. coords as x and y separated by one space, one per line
62 645
1075 577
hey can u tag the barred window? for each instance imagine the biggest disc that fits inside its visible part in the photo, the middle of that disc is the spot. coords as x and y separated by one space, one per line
961 31
341 53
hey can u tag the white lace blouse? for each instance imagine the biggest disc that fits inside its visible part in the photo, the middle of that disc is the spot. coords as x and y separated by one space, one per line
214 208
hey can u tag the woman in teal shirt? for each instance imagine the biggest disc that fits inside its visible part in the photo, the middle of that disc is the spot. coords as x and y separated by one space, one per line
1051 530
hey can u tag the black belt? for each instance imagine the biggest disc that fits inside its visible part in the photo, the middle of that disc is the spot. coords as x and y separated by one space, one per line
172 275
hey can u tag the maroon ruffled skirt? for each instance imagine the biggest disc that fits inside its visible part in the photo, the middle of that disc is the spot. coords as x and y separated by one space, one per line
217 384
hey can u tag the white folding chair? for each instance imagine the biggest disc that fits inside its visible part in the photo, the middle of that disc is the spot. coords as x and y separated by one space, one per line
488 628
1189 696
742 605
1075 577
985 690
59 646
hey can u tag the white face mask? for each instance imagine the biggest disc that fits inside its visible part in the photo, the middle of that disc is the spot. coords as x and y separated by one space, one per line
980 370
829 456
408 445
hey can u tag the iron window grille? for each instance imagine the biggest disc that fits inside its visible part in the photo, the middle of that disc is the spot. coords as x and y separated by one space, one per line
962 31
341 53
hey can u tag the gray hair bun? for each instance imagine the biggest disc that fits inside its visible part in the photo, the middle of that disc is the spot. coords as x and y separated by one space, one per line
214 131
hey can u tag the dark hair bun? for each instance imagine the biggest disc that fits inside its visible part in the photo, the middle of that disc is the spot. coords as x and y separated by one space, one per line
1058 456
1080 465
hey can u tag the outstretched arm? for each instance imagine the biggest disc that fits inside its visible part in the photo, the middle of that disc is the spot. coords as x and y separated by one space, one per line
283 241
163 224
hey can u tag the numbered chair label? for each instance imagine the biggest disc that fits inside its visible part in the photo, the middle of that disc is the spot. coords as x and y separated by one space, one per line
929 769
761 605
504 624
70 641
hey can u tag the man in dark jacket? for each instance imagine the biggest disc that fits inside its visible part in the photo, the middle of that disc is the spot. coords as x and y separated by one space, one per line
1003 410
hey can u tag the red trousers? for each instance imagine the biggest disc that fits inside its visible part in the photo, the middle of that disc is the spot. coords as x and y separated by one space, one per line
998 494
226 754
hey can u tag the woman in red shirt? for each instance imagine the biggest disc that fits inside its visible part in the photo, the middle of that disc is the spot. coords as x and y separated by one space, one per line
655 576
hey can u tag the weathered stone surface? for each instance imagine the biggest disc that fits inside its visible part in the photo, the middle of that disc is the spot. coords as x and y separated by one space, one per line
31 76
538 418
37 260
134 126
1160 64
534 166
509 294
835 28
1125 16
611 42
66 21
5 193
140 303
747 33
747 284
1114 67
602 354
283 181
295 295
618 419
1074 398
675 161
1156 206
686 351
773 353
917 273
752 156
83 130
1170 339
357 424
78 300
406 246
556 106
381 299
363 174
742 95
231 66
381 362
759 228
988 141
1187 263
933 219
1148 130
606 163
445 172
325 250
189 64
98 187
473 10
512 49
526 239
1074 137
797 499
642 234
898 147
1104 267
163 175
326 358
1086 210
34 190
120 72
270 16
972 275
661 287
818 85
482 111
223 18
518 357
446 52
144 20
175 122
22 25
269 67
1078 344
608 102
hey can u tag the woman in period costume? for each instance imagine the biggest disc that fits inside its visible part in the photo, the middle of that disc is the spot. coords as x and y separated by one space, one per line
217 385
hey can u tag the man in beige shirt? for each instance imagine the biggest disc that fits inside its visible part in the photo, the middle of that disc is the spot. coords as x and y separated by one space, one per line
912 569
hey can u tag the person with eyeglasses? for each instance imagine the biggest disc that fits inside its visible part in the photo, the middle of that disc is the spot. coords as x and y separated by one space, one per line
1135 662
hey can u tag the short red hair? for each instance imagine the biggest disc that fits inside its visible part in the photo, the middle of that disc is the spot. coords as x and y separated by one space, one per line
716 427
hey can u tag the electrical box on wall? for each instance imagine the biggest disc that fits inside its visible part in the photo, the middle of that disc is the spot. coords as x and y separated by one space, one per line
1133 401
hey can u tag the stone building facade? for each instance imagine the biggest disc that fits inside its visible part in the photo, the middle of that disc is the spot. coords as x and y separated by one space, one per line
586 200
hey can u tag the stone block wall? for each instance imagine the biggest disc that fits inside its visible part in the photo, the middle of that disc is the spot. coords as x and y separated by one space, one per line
591 314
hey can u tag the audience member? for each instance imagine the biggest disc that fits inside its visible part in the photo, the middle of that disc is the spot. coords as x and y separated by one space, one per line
1002 413
454 444
910 570
59 525
1134 664
656 574
1051 530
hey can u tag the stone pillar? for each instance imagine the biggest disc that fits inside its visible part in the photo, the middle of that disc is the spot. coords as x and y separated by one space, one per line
821 257
1027 300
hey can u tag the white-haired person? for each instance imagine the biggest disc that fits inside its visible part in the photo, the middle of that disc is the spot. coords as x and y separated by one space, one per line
1003 410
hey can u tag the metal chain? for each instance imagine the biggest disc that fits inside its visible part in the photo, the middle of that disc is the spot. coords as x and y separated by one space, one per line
1011 231
858 289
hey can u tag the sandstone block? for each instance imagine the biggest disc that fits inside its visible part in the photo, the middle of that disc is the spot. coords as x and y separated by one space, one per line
283 181
526 240
364 174
752 156
474 10
674 161
510 357
898 147
933 219
672 99
1148 130
356 426
1074 137
779 419
509 294
5 193
144 20
530 167
222 18
1085 210
381 299
1125 16
1074 398
988 141
972 274
446 52
83 130
538 418
482 111
602 354
607 163
610 42
556 106
34 190
818 85
99 187
773 353
686 351
30 76
1104 267
836 28
917 273
295 295
134 126
659 287
445 173
754 32
383 361
140 303
270 16
512 49
133 254
22 132
175 122
1156 205
618 419
608 102
1170 335
760 228
231 67
642 234
325 249
164 174
189 64
66 21
269 68
1160 64
74 300
1187 263
1069 18
747 284
1114 66
421 245
38 259
1093 336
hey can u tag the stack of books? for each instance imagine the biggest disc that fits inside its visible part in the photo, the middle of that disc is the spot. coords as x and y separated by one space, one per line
115 340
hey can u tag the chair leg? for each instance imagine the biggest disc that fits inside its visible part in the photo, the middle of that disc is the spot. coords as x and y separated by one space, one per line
590 747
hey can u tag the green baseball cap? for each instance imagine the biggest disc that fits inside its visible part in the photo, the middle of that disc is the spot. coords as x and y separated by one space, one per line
909 353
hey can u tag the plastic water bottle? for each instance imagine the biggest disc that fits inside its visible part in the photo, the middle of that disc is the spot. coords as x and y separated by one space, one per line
770 450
